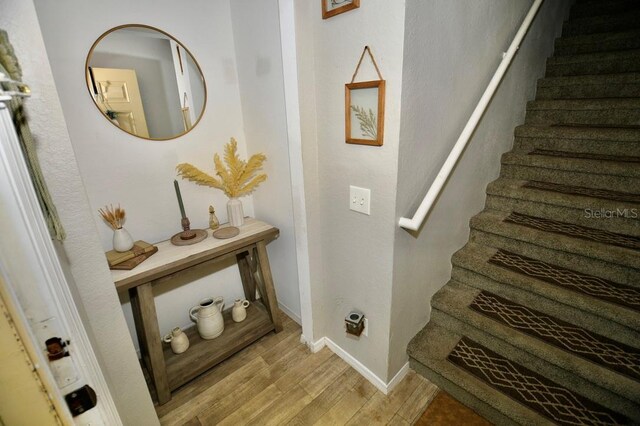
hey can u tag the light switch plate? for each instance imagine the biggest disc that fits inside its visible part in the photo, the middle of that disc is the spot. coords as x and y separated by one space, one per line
360 199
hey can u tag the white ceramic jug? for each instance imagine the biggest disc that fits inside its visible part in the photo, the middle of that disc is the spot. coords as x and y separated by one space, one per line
208 316
179 341
239 311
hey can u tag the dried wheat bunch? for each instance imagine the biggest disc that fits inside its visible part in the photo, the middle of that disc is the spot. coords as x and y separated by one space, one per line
236 179
113 217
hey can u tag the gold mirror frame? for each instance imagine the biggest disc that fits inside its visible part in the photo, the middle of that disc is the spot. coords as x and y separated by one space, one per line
149 27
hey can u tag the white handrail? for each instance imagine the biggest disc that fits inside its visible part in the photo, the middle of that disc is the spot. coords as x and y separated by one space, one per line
427 203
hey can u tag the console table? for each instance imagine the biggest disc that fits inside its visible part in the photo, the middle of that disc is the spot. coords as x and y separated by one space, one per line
168 371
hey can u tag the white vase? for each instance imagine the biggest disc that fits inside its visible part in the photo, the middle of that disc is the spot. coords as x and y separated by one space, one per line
122 240
179 341
235 212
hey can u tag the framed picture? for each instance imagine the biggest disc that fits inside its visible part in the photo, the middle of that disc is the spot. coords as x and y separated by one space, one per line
364 112
335 7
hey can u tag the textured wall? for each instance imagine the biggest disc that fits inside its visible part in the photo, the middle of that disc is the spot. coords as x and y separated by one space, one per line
356 250
452 50
256 30
96 298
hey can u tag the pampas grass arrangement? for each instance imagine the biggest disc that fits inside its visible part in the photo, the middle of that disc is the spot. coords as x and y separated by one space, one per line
236 179
113 216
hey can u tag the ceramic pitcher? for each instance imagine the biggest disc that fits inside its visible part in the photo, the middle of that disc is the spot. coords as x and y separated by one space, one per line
208 317
239 311
179 341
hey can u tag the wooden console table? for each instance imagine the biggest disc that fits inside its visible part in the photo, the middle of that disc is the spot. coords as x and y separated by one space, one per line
168 371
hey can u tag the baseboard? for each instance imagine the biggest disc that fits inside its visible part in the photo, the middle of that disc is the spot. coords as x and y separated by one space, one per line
290 313
314 346
398 377
376 381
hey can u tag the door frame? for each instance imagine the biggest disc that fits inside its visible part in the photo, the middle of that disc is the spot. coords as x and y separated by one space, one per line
36 248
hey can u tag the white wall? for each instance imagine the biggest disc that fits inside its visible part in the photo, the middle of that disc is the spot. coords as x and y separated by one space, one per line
96 299
119 168
351 254
451 52
256 30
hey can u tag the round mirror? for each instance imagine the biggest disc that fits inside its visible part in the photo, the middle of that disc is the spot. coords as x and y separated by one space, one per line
145 82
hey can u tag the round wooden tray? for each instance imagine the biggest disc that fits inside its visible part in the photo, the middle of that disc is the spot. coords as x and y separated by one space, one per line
201 234
224 233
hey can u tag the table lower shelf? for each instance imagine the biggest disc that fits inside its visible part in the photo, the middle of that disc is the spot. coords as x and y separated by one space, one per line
204 354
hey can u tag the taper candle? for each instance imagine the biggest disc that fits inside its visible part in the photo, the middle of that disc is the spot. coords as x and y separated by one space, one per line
175 183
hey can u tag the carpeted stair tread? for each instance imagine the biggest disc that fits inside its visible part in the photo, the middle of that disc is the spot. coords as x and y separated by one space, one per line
591 285
474 268
533 293
589 86
623 197
603 175
620 61
596 358
494 222
440 349
512 196
596 140
583 10
588 112
428 352
547 397
575 231
525 327
600 42
585 156
602 23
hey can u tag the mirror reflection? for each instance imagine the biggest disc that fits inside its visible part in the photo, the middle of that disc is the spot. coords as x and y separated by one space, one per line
145 82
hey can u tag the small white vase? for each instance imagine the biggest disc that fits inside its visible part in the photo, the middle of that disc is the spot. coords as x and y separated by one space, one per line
235 212
179 341
122 240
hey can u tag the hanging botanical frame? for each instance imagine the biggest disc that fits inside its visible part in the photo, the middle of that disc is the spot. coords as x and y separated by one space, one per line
335 7
364 109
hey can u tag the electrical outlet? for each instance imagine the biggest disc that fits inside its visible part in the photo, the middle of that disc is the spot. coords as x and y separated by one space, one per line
365 332
360 199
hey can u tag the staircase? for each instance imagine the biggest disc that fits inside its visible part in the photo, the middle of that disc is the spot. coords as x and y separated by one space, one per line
540 322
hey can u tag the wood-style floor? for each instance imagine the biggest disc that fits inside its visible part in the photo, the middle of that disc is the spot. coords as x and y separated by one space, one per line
278 381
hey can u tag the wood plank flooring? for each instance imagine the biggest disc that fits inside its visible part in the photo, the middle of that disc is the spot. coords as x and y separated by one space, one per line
278 381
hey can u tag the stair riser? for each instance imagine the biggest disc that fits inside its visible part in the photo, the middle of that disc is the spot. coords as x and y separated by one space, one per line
597 9
620 65
609 117
576 216
483 407
600 181
601 24
621 148
564 48
594 91
520 349
622 274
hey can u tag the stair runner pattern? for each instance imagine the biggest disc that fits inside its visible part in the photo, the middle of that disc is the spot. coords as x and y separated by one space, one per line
540 322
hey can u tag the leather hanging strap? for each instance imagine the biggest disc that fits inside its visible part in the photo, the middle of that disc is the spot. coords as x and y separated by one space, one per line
366 50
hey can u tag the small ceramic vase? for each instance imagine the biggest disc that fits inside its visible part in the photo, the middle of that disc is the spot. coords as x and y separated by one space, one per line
235 212
214 223
239 311
179 341
208 317
122 240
